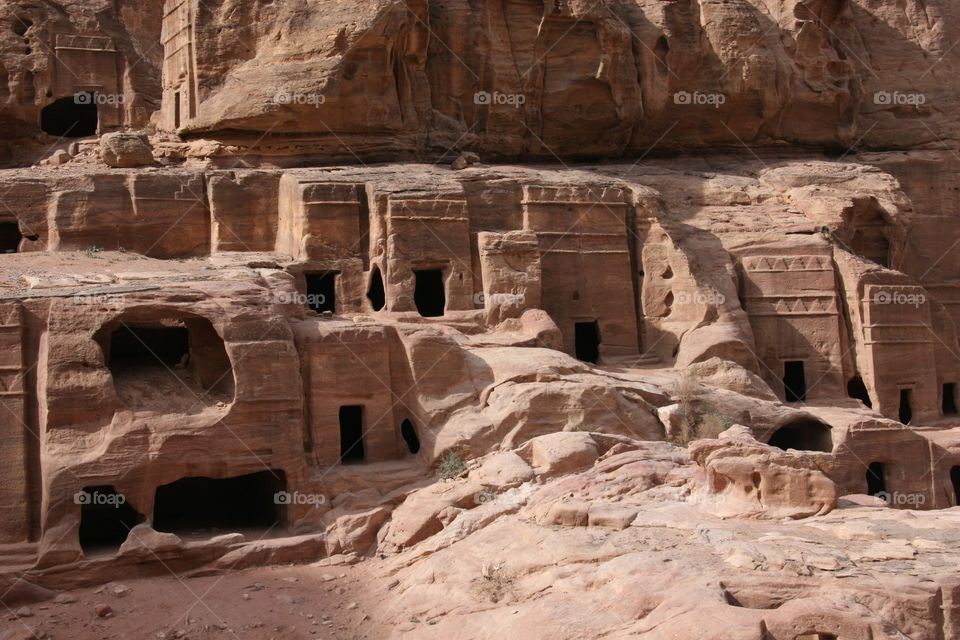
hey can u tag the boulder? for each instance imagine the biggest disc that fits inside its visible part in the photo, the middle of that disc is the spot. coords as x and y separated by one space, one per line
125 150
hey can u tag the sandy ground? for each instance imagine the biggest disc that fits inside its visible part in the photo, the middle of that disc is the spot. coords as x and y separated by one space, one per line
280 603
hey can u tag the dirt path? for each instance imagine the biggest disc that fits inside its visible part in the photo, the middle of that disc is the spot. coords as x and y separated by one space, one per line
280 603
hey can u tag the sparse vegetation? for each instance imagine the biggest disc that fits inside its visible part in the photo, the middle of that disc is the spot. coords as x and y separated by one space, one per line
696 420
92 250
451 465
495 582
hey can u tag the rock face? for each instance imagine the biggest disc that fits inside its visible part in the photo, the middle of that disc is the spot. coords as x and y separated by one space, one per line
281 283
124 150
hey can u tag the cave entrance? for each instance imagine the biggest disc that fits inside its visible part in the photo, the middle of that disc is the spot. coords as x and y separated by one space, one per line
409 434
804 435
351 434
10 237
949 401
322 291
794 381
132 347
199 504
376 293
429 294
905 412
168 366
858 391
105 519
586 341
955 481
71 117
876 478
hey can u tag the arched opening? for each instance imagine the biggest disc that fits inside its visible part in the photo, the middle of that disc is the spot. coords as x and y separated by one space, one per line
376 294
905 412
803 435
71 117
429 293
876 478
955 481
794 381
858 391
586 340
10 237
105 519
409 434
168 365
199 505
660 50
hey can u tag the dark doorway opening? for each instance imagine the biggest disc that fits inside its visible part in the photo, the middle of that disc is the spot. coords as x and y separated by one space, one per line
794 381
409 434
135 347
176 110
351 434
10 237
949 402
876 478
586 341
805 435
167 366
858 391
105 518
906 411
322 291
198 503
71 117
429 294
375 292
955 481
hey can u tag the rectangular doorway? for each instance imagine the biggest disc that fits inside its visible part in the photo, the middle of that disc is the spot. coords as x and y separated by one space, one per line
351 434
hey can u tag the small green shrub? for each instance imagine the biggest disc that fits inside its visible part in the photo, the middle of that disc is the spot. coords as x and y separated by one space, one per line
451 465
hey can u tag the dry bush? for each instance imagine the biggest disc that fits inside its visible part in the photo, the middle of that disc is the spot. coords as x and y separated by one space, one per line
495 583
